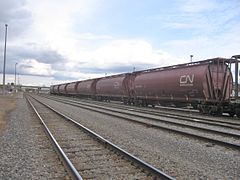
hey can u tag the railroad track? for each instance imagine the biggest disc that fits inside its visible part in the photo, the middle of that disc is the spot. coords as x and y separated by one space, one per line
181 114
86 154
187 116
190 115
223 138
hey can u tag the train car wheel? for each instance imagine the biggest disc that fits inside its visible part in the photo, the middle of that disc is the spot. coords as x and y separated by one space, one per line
238 112
231 114
238 115
219 111
144 104
136 103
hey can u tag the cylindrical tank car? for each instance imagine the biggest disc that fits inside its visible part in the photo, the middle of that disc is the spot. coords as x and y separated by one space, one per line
113 87
202 83
206 85
87 88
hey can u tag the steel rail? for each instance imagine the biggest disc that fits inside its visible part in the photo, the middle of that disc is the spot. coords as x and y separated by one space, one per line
180 117
156 172
176 123
223 143
67 163
187 117
201 120
158 120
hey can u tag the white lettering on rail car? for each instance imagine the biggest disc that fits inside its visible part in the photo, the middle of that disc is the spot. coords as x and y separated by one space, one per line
186 80
116 85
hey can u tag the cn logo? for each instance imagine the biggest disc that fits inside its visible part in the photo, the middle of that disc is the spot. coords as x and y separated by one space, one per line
186 80
116 85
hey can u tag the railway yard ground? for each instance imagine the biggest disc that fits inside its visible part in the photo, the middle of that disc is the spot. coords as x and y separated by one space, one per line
26 151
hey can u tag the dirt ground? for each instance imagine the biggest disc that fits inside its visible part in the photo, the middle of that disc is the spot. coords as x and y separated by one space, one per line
7 104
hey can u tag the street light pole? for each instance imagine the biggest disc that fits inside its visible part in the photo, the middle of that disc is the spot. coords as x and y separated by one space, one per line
191 56
15 80
4 63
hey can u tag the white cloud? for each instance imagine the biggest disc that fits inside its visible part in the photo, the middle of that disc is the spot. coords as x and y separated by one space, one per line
203 47
54 20
91 36
32 66
196 6
211 30
74 75
123 53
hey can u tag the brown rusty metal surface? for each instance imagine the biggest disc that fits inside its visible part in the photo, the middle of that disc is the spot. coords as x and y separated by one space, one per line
181 83
62 88
208 61
55 89
113 86
87 87
185 83
72 88
219 83
208 80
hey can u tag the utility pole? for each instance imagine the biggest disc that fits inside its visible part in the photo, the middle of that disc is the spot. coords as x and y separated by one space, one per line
191 56
15 80
4 63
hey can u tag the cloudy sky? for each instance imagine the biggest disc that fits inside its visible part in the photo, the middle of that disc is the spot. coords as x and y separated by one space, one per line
57 41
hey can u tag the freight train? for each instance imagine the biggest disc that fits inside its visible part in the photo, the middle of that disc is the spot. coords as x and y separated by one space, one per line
205 85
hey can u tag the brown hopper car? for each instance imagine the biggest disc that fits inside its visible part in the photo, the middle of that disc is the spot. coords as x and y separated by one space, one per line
113 87
206 85
189 83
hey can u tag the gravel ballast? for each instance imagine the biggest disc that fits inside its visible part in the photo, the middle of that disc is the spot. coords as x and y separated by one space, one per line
178 156
26 152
